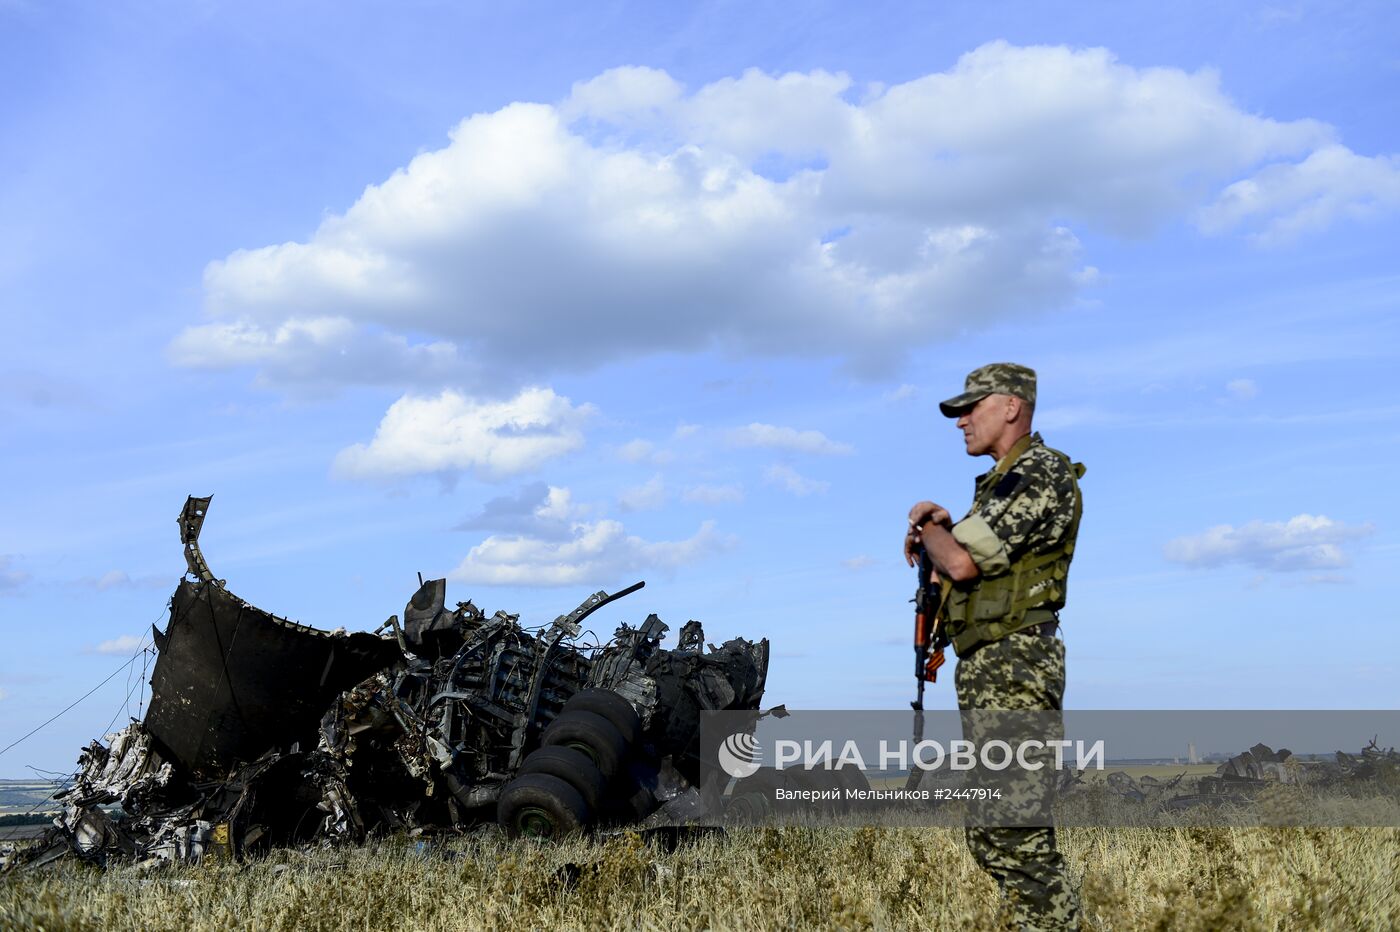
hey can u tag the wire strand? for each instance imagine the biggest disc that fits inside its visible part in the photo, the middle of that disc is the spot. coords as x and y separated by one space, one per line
145 651
126 703
74 703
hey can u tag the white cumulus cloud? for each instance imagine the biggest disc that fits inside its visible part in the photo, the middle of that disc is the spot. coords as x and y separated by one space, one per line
125 646
635 451
597 553
796 483
452 433
112 579
714 494
787 438
644 451
316 353
1286 200
120 579
650 494
537 510
623 95
1303 542
790 214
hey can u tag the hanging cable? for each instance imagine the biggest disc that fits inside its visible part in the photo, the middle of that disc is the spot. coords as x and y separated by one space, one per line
145 681
73 704
126 703
145 652
52 776
58 782
146 656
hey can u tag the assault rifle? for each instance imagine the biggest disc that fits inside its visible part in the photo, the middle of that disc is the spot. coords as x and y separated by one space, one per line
930 639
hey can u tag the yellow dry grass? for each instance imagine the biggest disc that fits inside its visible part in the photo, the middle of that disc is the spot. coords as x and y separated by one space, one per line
763 878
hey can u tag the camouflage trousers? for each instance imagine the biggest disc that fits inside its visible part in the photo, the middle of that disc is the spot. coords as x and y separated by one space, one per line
1022 673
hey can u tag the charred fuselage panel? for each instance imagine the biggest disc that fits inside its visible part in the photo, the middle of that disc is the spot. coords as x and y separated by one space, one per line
232 681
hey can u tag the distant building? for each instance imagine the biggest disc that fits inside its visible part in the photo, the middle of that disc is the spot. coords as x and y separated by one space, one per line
1191 756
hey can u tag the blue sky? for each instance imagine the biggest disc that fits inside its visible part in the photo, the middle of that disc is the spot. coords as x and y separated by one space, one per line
554 298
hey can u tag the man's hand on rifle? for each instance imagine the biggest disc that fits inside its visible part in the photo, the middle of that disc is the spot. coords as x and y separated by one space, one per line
919 515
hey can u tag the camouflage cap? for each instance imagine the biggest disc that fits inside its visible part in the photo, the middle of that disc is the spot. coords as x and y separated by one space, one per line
998 378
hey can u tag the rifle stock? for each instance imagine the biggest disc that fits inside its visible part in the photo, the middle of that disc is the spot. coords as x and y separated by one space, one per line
929 641
929 637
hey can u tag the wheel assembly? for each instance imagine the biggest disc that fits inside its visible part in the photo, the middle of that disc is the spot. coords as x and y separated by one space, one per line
591 734
573 767
540 805
610 706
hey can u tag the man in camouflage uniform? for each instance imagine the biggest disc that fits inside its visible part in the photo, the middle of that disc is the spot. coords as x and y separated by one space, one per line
1003 568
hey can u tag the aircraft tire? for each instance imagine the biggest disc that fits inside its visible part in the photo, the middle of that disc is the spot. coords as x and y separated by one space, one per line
573 767
540 805
592 734
612 707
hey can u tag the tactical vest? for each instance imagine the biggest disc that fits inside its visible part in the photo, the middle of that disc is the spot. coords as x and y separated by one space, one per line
993 607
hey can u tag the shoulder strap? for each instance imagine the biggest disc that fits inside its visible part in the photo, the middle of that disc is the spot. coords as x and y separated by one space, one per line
1076 471
1012 455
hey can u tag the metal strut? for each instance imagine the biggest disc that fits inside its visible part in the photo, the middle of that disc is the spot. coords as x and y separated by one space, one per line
191 520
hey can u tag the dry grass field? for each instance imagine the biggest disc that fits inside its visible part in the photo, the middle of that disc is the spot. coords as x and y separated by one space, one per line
760 878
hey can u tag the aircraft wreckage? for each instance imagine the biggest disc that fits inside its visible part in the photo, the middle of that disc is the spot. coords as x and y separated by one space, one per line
262 732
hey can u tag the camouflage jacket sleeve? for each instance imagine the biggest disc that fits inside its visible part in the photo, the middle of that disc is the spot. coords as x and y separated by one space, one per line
1028 510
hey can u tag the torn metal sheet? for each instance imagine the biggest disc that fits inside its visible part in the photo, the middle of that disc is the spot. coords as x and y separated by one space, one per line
231 680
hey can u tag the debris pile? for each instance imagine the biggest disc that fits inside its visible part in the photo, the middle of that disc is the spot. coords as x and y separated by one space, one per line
1373 763
262 732
1240 778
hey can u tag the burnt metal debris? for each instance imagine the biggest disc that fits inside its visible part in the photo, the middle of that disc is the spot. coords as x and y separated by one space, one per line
1239 779
262 732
